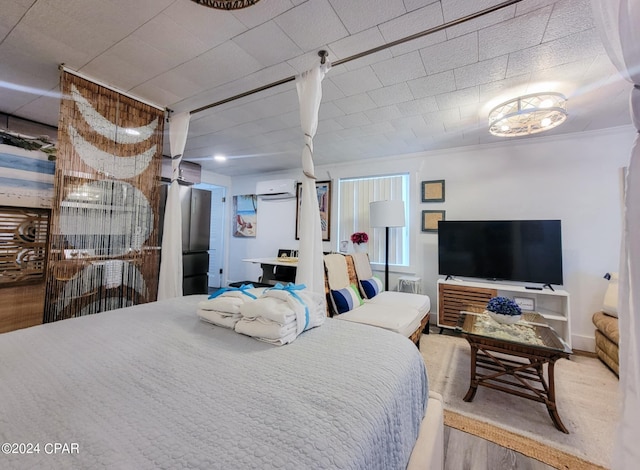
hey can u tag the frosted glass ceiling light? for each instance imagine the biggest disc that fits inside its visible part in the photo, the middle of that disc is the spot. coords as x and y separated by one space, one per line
528 114
226 4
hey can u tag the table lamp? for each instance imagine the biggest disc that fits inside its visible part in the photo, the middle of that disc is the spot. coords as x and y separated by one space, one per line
386 214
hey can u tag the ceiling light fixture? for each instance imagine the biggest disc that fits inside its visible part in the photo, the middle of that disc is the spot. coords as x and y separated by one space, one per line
226 4
528 114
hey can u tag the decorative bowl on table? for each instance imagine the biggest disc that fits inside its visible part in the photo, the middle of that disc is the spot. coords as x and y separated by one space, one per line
504 310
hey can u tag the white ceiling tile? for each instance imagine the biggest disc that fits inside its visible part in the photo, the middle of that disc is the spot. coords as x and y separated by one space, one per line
40 109
222 64
411 23
522 32
549 54
433 84
353 120
419 106
213 27
184 45
455 9
481 72
411 5
302 24
458 98
504 90
262 12
364 61
357 81
376 128
415 123
391 94
329 110
450 54
328 125
417 44
530 5
384 113
358 15
568 17
355 103
356 43
268 44
438 117
399 69
481 22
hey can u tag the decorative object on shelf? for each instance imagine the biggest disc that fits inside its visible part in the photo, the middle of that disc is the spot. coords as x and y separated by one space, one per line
359 240
323 191
430 220
528 114
42 143
386 214
504 310
226 4
433 191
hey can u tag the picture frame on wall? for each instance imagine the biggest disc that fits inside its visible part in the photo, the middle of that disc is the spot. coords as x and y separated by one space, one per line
323 191
430 220
433 191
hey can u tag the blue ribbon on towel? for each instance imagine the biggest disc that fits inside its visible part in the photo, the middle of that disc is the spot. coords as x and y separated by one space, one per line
243 289
291 288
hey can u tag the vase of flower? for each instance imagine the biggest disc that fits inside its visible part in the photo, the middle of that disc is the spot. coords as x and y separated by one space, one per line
504 310
359 240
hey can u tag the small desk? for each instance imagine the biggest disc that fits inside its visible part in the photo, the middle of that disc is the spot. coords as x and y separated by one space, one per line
268 265
532 340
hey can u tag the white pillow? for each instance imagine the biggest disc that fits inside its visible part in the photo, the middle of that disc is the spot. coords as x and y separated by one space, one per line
610 306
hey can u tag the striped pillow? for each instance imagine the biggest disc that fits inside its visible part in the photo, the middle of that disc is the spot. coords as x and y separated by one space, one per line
371 287
346 299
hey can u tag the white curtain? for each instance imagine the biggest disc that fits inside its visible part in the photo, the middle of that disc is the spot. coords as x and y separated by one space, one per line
170 283
619 25
310 263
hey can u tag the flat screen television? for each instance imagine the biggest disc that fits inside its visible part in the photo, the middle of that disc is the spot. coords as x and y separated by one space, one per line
506 250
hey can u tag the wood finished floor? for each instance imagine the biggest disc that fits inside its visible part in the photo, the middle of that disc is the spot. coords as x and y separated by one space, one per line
467 452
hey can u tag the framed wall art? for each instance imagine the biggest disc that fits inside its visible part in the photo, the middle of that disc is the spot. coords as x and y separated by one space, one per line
323 191
430 220
433 191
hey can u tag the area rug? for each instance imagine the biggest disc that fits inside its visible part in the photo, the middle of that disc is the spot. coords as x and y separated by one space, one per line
586 396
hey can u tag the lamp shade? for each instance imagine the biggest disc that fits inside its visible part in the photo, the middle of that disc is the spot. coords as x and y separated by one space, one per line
386 214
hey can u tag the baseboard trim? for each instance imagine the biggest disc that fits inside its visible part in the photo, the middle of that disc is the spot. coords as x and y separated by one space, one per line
583 343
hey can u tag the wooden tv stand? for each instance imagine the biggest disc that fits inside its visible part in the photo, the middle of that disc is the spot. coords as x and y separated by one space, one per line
456 295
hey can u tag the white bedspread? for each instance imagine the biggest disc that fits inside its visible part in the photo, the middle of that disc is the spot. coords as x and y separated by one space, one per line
152 386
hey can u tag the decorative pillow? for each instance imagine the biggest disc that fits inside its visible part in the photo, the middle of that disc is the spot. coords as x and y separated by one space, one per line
346 299
371 287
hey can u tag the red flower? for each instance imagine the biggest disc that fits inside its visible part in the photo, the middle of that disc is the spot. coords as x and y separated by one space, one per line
359 237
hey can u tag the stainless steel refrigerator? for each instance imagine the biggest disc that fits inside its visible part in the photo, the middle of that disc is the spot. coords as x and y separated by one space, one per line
196 220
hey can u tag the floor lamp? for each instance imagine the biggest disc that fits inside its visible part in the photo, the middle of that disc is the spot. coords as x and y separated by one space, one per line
386 214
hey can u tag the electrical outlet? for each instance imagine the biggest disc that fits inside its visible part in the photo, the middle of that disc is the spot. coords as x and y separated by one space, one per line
525 303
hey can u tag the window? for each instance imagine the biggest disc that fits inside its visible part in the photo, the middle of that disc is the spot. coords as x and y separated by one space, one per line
354 196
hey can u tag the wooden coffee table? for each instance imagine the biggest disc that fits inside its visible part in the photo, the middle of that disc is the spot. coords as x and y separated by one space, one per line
511 358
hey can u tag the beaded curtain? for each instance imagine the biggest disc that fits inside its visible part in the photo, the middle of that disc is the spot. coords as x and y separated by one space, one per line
104 240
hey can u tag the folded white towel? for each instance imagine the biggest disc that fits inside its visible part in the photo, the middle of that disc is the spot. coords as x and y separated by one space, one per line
303 302
270 308
265 329
223 304
227 320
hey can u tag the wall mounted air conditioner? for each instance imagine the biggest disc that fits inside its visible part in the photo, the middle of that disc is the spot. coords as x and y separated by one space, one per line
276 189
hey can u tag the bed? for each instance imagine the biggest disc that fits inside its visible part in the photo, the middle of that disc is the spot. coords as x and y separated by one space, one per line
152 386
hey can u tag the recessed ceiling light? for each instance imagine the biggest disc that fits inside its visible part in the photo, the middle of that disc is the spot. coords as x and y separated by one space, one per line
220 158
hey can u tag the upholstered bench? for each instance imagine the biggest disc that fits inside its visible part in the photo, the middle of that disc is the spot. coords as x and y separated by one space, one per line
607 333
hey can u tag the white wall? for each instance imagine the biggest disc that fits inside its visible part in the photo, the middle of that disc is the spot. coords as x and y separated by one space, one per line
572 178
